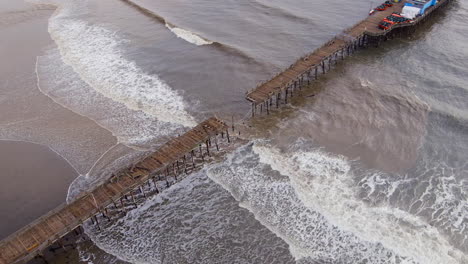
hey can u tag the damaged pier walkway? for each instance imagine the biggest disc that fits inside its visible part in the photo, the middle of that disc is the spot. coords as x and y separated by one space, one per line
306 69
172 159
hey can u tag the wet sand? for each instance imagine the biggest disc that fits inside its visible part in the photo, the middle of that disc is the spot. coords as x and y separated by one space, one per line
34 180
34 177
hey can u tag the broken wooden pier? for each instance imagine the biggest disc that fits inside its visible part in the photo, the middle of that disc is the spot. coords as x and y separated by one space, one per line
178 156
275 92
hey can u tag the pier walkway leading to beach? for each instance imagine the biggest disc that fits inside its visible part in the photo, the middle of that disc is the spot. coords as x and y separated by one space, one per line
171 160
277 90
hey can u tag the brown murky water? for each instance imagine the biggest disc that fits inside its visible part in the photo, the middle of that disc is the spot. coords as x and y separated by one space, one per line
367 166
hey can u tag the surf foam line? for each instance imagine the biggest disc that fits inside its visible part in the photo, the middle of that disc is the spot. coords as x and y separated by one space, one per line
325 183
309 199
199 40
135 129
271 197
193 221
95 53
184 34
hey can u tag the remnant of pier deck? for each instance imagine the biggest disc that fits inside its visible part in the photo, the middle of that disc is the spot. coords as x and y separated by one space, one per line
35 237
306 69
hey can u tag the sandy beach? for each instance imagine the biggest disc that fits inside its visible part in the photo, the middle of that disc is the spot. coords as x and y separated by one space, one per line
36 176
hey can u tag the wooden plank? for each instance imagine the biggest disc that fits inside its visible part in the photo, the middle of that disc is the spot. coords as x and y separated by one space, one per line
28 240
63 219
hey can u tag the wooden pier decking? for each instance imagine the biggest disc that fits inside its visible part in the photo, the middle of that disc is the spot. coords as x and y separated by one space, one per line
277 90
172 158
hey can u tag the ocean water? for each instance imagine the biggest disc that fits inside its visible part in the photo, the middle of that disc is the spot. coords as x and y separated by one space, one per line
369 165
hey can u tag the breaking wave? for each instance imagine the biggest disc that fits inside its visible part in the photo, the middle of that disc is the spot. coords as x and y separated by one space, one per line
194 221
95 53
310 199
88 74
188 36
133 128
184 34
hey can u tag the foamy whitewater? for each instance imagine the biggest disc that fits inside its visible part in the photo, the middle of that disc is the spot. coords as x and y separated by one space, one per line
319 194
140 110
195 221
264 203
188 36
94 52
306 196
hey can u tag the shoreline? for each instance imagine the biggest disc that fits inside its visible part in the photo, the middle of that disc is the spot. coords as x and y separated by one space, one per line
30 171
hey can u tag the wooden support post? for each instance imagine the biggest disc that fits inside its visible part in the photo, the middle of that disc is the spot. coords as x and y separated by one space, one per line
133 199
216 143
193 160
122 203
167 177
286 96
261 108
278 97
227 135
97 222
323 65
316 73
106 214
59 242
207 148
201 153
174 171
142 190
267 107
185 164
155 185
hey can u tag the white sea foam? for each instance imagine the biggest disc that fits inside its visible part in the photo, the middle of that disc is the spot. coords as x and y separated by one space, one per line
116 158
325 218
195 221
325 183
188 35
96 54
275 203
439 194
132 128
